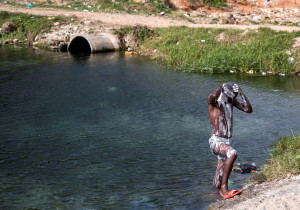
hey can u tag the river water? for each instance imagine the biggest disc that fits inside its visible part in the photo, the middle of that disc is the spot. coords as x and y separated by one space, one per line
106 131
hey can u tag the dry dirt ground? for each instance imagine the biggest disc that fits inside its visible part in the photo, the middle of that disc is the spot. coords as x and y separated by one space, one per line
121 19
278 195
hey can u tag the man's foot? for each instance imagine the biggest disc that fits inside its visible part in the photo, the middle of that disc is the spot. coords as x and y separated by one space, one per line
231 194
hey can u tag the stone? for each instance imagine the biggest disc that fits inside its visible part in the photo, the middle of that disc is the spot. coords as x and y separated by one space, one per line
195 14
140 1
203 13
221 37
88 22
223 20
8 41
296 42
54 48
257 18
37 38
8 28
56 24
227 15
213 21
15 41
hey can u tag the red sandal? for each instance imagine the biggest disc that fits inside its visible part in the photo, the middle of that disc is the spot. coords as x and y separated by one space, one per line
232 193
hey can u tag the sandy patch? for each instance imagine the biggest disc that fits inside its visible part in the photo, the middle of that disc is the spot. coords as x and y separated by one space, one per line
283 194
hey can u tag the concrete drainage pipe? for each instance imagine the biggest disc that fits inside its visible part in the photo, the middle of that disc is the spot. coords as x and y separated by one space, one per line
104 42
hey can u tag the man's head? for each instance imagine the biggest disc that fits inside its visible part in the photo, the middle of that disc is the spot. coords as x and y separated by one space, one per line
231 89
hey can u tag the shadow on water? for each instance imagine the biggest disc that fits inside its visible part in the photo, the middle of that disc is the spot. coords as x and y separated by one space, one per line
108 57
81 56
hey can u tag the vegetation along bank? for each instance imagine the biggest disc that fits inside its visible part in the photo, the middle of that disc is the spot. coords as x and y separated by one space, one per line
284 160
221 50
262 50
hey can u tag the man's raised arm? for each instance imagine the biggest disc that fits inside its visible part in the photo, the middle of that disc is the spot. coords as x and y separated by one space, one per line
213 97
245 105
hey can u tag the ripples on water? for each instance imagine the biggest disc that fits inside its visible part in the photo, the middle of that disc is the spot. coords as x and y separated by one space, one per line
108 131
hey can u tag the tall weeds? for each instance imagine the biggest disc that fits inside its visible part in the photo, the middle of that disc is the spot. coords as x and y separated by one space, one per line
221 50
284 160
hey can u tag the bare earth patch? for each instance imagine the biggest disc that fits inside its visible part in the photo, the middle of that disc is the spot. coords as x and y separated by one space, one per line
282 194
121 19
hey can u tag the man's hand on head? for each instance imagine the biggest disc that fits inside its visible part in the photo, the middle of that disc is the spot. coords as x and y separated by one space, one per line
236 88
228 92
225 89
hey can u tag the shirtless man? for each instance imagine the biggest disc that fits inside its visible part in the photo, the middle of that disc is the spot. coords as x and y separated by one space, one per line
220 108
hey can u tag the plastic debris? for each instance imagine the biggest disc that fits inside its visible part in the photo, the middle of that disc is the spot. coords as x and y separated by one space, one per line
288 52
281 74
29 6
250 72
264 73
291 59
244 167
130 53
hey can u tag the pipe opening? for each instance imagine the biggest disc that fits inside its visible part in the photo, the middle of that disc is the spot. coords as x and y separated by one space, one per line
79 44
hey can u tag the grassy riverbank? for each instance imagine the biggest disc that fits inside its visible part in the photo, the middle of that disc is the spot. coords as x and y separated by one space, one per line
284 160
192 49
221 50
28 26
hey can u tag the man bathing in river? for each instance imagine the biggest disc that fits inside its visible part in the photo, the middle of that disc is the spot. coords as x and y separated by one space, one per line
220 108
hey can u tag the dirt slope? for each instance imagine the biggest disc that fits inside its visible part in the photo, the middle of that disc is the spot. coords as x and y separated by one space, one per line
278 195
119 19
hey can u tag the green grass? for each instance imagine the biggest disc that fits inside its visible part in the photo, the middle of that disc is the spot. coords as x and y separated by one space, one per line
284 160
215 3
209 3
28 25
221 50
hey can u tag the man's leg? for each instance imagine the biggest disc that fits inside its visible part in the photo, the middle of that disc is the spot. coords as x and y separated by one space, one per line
218 175
230 154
